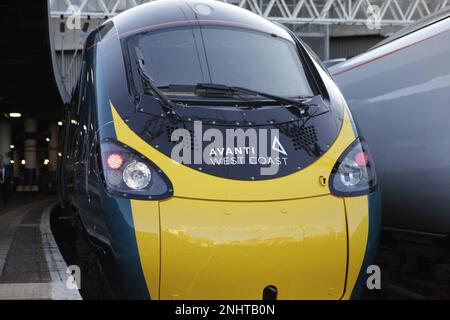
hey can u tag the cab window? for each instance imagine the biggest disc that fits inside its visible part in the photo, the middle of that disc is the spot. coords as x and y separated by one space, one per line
224 55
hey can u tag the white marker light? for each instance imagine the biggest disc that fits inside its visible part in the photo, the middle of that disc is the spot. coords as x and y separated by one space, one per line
350 173
137 175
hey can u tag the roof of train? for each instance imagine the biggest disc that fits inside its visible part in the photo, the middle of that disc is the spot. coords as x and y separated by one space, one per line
425 29
170 13
422 23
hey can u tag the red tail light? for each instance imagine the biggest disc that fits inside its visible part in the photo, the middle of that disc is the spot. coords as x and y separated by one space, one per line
362 158
115 161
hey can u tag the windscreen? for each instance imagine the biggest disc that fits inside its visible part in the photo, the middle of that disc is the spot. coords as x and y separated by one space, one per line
223 55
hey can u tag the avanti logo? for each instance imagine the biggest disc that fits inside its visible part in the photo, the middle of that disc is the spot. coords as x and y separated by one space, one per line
276 145
230 147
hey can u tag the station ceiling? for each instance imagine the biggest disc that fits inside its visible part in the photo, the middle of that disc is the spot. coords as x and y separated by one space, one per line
27 83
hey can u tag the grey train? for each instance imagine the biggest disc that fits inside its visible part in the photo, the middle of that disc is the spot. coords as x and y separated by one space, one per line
399 94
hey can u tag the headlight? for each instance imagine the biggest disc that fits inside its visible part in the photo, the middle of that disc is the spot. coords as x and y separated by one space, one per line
350 173
137 175
127 173
354 173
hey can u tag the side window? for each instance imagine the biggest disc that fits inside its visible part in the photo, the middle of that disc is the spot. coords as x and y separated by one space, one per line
88 105
84 78
70 120
82 110
86 101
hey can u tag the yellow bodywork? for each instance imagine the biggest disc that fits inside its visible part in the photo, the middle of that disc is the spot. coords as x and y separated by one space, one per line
219 238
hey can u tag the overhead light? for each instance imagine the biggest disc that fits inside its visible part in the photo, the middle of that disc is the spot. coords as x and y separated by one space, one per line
11 161
59 154
47 139
12 146
23 162
15 115
46 162
60 123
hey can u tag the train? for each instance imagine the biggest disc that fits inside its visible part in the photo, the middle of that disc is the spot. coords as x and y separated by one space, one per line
399 93
208 154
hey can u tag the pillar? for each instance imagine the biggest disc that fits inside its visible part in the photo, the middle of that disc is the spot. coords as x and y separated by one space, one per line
53 148
16 165
326 47
30 128
5 141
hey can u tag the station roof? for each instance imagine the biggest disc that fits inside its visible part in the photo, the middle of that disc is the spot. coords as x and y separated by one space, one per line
27 84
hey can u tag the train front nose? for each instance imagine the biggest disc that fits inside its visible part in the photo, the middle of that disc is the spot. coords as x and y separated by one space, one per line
221 238
234 250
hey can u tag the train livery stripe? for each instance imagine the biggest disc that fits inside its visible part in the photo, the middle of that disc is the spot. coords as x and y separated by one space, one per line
357 228
124 247
124 234
363 225
145 216
147 226
374 229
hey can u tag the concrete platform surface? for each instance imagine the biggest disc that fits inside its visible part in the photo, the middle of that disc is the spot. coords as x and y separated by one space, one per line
31 266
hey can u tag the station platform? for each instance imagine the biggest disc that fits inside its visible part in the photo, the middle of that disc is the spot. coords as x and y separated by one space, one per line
31 265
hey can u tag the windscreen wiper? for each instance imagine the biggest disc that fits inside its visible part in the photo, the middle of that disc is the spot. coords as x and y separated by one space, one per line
211 88
148 85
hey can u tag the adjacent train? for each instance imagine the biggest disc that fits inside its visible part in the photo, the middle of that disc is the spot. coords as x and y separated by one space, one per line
208 155
399 93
